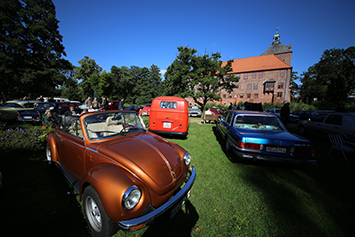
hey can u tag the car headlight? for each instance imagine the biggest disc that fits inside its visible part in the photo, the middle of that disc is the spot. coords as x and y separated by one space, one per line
131 197
187 158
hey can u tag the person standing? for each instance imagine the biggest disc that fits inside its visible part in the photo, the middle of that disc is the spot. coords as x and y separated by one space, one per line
285 113
95 103
121 104
88 102
104 103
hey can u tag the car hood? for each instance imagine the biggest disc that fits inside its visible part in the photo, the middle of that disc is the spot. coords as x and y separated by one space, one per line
274 137
151 158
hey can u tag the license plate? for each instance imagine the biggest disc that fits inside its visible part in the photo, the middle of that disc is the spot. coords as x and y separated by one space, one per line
166 125
179 205
276 149
27 117
144 112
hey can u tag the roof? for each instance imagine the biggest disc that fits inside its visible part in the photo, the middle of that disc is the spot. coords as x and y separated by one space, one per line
277 48
258 63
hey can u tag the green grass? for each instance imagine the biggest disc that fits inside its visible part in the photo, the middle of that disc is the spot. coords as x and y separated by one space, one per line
229 198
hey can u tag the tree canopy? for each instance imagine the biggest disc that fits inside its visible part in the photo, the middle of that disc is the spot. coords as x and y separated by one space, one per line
200 76
332 79
31 50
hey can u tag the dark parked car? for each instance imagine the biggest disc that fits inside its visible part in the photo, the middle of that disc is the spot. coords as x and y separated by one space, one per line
9 109
36 114
262 136
134 107
326 123
126 176
305 115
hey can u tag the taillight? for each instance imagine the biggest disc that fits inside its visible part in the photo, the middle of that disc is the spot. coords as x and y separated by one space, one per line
303 150
153 123
254 146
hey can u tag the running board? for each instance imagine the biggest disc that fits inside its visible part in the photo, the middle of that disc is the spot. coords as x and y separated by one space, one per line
71 178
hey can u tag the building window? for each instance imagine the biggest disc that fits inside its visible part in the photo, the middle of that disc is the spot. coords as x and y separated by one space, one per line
230 96
245 75
249 86
254 75
255 87
237 85
282 73
248 95
281 85
241 96
269 85
224 96
279 94
260 74
235 95
256 96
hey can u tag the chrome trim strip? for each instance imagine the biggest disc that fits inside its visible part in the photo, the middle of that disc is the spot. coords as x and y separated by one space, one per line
126 225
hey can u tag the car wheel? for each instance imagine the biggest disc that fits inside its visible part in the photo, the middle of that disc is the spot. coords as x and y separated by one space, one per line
302 130
48 154
99 222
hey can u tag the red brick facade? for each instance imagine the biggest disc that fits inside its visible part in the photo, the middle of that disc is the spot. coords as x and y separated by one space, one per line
264 78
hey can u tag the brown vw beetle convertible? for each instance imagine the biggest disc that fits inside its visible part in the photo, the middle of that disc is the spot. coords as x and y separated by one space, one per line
126 176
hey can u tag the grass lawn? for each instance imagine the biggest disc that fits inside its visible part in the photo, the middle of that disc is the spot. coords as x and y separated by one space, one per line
229 198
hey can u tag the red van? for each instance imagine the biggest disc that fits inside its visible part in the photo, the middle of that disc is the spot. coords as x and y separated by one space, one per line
169 115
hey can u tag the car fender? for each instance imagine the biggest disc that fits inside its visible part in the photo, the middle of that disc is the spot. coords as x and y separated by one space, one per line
50 139
111 182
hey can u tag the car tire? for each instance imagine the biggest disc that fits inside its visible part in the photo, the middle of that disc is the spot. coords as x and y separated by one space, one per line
302 130
48 154
99 222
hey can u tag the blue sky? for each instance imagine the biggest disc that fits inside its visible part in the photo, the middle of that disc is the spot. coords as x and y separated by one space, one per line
145 32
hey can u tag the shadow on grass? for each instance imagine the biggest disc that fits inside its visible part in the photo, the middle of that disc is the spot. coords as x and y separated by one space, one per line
304 200
35 200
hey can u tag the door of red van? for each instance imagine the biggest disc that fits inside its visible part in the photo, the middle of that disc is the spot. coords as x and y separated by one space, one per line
169 115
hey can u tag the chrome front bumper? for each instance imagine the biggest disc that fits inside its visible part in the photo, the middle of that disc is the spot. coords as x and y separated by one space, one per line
143 221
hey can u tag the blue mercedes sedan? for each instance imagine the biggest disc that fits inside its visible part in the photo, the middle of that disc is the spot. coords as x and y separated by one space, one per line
262 136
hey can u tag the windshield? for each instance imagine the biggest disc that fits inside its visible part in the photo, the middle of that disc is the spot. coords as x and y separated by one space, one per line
258 122
103 125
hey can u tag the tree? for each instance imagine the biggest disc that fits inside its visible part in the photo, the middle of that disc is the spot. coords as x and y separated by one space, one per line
31 49
332 79
87 76
201 77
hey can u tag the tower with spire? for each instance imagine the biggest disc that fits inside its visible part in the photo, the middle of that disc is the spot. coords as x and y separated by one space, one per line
281 51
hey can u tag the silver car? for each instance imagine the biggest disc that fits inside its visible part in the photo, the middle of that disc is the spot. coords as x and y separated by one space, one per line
194 110
326 123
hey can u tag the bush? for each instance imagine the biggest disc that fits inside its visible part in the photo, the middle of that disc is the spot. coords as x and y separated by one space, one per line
22 138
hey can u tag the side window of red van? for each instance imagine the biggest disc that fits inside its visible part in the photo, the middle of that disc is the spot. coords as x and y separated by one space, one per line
168 105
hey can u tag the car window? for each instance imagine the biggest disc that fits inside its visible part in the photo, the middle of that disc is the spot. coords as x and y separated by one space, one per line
319 118
28 105
168 104
229 117
12 105
334 119
257 122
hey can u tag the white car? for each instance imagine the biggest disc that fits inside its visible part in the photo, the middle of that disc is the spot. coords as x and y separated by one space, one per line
275 111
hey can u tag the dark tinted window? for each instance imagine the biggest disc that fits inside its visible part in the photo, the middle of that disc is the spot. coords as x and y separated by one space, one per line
319 118
229 117
334 119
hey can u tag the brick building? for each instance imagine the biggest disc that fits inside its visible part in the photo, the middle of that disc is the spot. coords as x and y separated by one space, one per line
264 78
